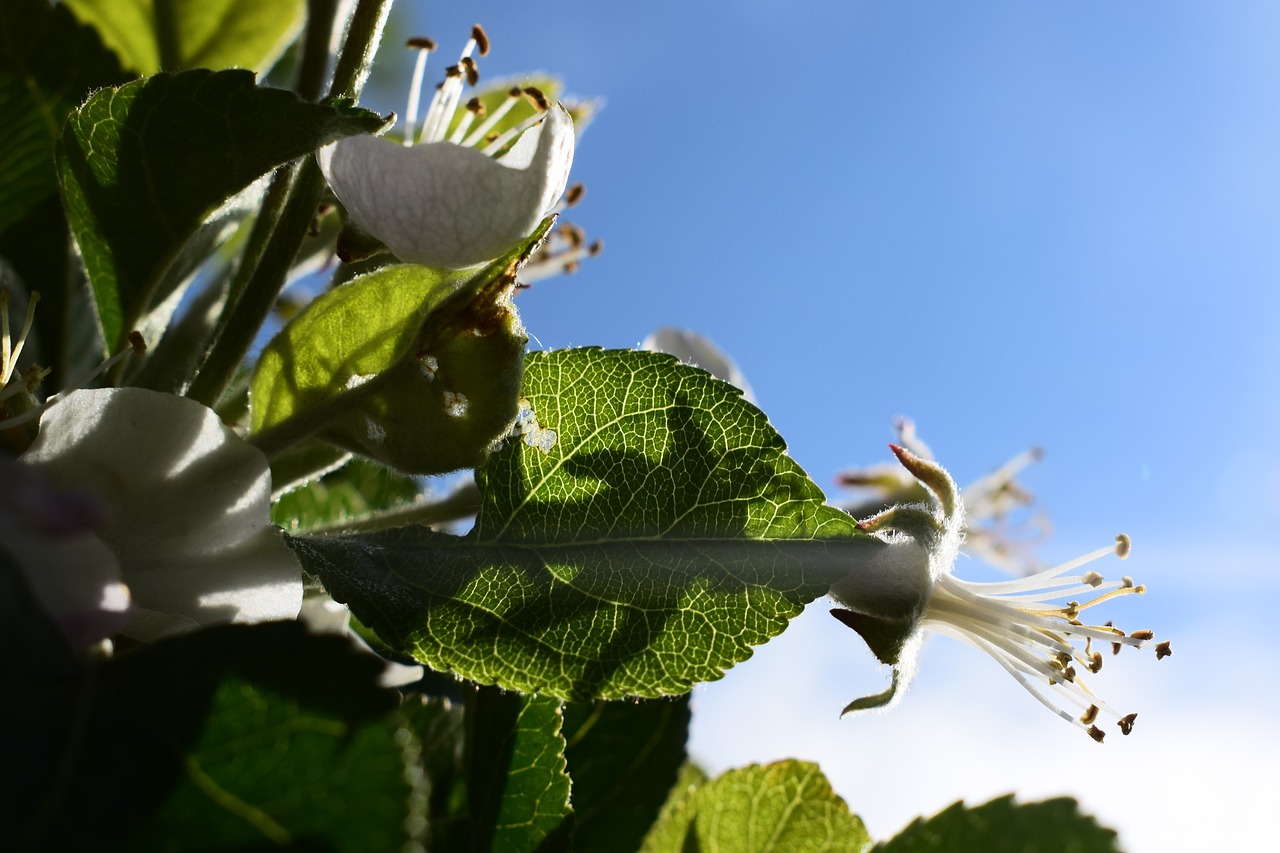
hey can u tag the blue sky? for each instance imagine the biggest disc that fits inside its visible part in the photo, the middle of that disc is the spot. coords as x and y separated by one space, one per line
1020 223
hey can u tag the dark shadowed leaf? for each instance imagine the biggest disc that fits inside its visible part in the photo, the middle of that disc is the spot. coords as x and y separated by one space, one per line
143 166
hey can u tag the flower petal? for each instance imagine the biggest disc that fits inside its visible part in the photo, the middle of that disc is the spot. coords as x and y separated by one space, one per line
188 501
446 205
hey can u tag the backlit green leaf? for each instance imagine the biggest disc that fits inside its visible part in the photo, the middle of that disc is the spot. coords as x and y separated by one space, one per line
787 807
647 533
1003 826
176 35
142 166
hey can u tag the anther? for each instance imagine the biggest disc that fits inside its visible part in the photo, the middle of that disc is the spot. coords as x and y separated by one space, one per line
473 73
1163 650
574 195
476 107
538 99
1090 715
1097 733
420 43
1126 723
453 71
481 39
1095 662
1092 579
1144 634
1123 546
1126 582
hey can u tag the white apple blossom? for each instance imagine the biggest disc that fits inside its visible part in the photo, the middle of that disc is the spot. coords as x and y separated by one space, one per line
184 514
460 198
909 589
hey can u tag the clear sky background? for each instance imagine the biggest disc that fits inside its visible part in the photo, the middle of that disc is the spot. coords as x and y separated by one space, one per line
1020 223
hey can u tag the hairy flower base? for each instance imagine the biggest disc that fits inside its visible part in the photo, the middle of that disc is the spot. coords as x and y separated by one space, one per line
1031 626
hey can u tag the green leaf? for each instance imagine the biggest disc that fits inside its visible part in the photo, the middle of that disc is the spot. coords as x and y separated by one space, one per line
1003 826
49 63
221 739
416 367
646 546
142 166
517 789
787 807
175 35
624 758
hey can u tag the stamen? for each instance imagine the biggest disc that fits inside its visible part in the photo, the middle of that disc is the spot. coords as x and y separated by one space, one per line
500 142
1126 723
136 345
1163 650
445 101
475 109
424 47
478 135
9 350
1123 546
1097 733
1090 715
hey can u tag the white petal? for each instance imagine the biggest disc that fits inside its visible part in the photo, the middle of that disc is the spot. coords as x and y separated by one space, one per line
189 504
445 205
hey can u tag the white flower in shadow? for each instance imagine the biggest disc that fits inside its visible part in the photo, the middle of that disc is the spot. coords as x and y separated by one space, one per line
184 512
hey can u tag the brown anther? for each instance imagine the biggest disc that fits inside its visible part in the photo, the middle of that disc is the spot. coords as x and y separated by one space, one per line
1069 674
1090 715
571 268
1123 546
538 99
1093 579
574 194
1126 582
473 73
1126 723
1095 662
1163 650
1144 634
482 39
420 43
596 248
1096 733
572 234
474 106
514 92
137 343
453 71
1115 647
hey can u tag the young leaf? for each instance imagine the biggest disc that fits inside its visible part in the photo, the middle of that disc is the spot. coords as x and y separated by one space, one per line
787 807
175 35
1003 826
624 758
647 545
142 166
49 63
416 367
222 739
